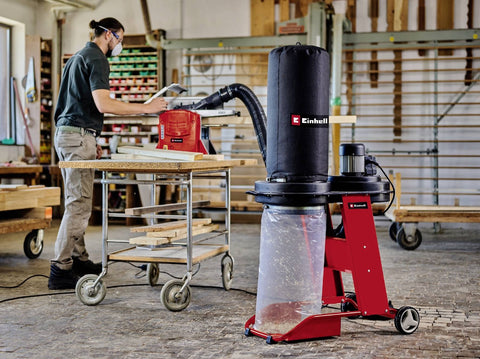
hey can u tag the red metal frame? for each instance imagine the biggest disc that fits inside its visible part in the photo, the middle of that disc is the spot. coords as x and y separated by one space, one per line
357 254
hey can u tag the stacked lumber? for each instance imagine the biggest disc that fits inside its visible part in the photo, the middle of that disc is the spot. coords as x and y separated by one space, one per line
13 197
169 232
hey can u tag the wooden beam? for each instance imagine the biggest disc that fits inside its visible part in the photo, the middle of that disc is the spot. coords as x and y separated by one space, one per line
159 153
170 225
164 208
445 16
284 6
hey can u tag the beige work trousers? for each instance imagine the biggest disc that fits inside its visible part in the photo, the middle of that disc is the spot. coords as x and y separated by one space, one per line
78 189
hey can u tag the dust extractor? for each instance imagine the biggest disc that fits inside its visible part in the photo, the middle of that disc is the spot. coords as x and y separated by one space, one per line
301 255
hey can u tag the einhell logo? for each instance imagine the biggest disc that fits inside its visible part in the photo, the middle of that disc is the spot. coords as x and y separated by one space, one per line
358 205
296 120
309 120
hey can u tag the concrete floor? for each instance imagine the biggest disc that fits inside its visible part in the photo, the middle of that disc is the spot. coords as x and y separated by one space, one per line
441 279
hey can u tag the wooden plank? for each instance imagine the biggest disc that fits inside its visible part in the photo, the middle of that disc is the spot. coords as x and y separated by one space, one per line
241 206
164 207
29 198
13 187
23 224
149 166
445 16
342 119
181 233
284 10
262 23
156 238
159 153
421 23
170 225
201 252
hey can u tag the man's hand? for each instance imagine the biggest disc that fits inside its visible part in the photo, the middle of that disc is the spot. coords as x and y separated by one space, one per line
157 105
99 152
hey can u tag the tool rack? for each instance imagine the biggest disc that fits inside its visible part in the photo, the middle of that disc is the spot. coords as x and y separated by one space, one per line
175 294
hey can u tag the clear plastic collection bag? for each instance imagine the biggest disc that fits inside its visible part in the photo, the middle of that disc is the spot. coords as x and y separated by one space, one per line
290 278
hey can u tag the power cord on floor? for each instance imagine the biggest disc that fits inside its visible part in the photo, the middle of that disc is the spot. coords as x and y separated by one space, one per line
24 281
142 267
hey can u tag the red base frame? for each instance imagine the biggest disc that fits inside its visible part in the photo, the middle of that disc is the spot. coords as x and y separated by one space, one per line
357 254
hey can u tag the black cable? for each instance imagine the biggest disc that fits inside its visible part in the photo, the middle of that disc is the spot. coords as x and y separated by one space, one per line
109 287
23 282
368 160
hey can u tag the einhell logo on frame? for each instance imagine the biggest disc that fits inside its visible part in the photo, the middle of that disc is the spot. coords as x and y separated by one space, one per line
309 120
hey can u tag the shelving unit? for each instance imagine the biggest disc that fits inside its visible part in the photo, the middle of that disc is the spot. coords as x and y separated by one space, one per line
137 73
46 102
40 111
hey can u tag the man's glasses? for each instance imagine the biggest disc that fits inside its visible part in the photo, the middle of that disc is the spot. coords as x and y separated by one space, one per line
113 33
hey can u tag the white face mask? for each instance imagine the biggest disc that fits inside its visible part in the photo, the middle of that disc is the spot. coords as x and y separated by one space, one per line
117 49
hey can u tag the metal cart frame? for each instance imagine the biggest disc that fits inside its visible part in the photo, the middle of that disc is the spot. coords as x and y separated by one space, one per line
175 294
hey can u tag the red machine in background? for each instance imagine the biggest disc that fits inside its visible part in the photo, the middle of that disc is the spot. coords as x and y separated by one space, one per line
180 130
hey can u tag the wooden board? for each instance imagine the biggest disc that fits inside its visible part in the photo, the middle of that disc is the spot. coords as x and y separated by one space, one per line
241 206
164 207
13 187
25 220
23 224
170 225
149 166
176 255
434 214
159 153
445 16
166 237
29 198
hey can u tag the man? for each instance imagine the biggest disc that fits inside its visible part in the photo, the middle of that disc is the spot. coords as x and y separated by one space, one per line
84 96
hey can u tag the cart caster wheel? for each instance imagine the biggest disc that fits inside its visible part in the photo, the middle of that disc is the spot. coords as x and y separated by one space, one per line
247 332
172 298
349 307
227 272
393 230
33 244
87 293
153 272
270 340
409 242
407 320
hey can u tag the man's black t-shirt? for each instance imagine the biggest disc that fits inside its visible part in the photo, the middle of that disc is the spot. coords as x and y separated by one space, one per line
84 72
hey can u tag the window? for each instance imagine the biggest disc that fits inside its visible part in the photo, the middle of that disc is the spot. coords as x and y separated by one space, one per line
6 115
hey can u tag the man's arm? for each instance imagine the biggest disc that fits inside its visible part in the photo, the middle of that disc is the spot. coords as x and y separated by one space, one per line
106 104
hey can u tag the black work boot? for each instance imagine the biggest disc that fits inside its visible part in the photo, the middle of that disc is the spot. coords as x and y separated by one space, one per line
81 268
61 279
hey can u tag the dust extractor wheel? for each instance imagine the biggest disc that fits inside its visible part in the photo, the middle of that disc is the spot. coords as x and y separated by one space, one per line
407 320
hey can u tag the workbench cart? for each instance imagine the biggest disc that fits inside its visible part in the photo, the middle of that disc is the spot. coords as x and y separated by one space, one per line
175 294
27 208
404 228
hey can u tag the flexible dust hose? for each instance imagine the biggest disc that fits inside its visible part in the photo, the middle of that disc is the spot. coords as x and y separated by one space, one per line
247 96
